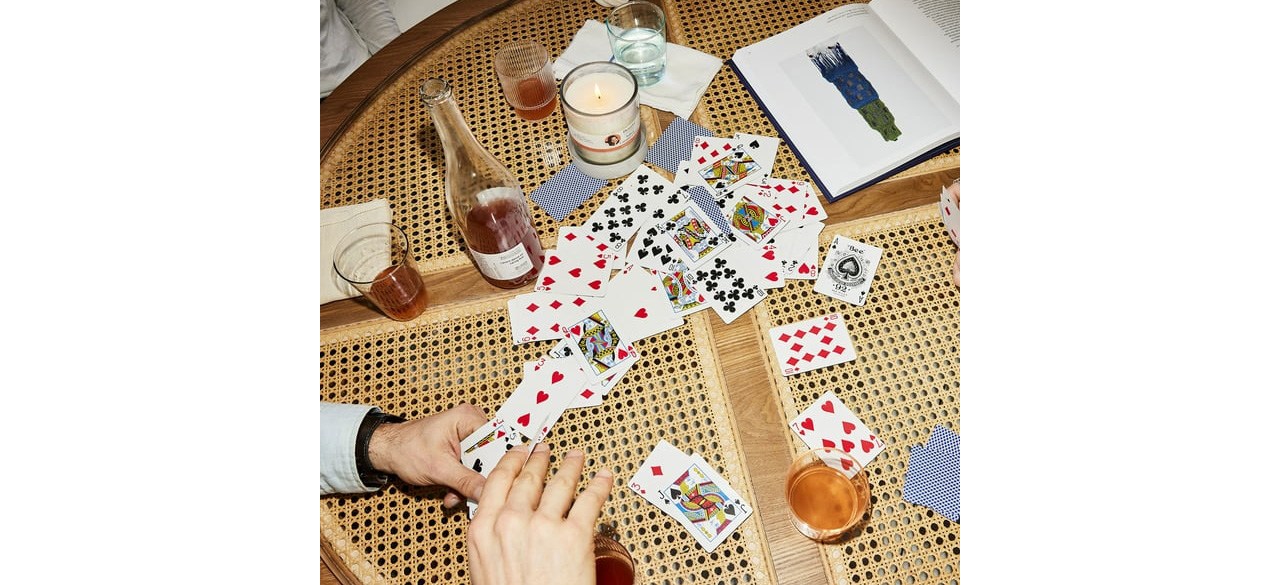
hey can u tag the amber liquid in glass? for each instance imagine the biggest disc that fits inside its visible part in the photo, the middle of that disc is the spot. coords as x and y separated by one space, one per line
613 563
498 226
824 498
399 292
532 91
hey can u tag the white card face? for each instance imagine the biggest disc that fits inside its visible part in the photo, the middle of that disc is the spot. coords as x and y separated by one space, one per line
752 222
798 247
828 422
682 295
663 465
569 234
705 504
732 281
537 316
598 348
848 270
631 205
770 262
695 237
723 164
577 270
949 208
638 306
812 344
549 385
763 149
482 449
793 200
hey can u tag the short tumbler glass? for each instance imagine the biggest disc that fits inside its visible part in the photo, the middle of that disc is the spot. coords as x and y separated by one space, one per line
827 494
638 36
528 82
375 259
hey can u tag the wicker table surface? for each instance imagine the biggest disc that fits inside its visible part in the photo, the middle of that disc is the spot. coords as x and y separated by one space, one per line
377 141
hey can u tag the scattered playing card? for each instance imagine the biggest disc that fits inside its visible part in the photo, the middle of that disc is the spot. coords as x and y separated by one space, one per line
829 423
754 223
537 315
681 294
732 280
674 144
644 196
770 262
793 200
664 464
549 385
949 208
575 270
695 238
798 247
598 348
565 191
723 164
848 270
482 449
638 306
812 344
688 489
933 474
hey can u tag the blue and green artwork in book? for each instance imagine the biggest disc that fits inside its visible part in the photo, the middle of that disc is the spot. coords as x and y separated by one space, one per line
837 68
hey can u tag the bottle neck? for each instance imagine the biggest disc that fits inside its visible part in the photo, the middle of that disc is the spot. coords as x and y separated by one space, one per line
451 127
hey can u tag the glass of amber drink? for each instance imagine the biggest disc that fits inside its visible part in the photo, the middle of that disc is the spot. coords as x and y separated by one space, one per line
827 494
375 259
614 565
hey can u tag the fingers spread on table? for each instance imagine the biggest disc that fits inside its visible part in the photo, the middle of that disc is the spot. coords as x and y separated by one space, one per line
498 485
526 491
586 509
560 490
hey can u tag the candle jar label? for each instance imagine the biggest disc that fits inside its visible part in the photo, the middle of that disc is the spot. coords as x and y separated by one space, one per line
611 147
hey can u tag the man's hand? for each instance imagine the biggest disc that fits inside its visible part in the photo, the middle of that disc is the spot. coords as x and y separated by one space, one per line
426 451
522 535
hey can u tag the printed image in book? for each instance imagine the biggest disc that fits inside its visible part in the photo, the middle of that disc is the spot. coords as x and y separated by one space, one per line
862 91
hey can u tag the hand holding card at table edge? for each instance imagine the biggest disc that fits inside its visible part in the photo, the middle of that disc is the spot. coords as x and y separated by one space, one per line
527 535
425 451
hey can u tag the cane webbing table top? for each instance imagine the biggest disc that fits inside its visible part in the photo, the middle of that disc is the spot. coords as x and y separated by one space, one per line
905 380
453 354
391 150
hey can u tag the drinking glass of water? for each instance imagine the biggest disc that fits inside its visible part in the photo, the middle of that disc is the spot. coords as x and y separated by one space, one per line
638 36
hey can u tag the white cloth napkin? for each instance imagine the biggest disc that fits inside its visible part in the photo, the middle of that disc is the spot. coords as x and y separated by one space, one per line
688 74
335 222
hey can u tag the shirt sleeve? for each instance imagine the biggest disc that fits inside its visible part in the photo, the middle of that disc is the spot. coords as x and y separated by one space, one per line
339 424
373 20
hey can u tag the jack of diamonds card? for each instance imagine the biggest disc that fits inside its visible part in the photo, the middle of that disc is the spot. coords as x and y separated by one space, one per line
847 272
829 423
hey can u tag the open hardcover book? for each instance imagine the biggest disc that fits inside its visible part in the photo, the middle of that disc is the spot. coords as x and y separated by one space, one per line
863 91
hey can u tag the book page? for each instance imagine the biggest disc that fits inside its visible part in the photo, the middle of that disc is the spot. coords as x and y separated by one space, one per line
850 99
931 31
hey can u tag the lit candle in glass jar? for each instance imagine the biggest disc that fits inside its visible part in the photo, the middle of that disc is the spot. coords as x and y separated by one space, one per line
602 110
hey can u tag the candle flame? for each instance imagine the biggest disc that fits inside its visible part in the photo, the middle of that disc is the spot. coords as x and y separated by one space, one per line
598 96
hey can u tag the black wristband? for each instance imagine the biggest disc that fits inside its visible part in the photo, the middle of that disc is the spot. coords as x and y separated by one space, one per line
368 475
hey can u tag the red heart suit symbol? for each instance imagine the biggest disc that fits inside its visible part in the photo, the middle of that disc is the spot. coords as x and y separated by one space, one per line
867 446
541 397
547 280
523 420
556 377
829 406
847 445
768 255
642 313
595 285
553 260
849 427
804 269
600 263
576 272
771 277
807 423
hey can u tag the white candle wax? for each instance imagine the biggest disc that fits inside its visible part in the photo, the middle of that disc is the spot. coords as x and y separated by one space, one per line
599 93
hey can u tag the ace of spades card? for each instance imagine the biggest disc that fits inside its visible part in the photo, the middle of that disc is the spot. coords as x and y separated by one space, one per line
848 270
597 346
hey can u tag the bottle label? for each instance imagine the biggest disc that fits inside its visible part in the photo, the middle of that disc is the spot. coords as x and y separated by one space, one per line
508 265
